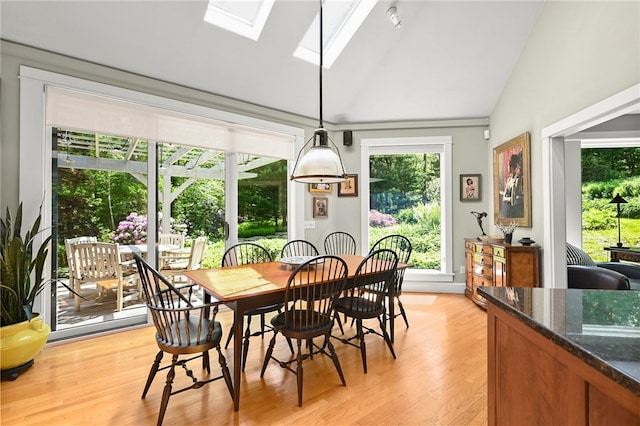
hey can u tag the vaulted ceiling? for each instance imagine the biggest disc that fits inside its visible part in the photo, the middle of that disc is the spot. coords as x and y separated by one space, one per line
449 60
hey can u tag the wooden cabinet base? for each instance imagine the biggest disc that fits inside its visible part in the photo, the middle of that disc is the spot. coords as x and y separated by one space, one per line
531 380
490 263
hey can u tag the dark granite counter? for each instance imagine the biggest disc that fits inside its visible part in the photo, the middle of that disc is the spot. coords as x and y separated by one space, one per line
601 327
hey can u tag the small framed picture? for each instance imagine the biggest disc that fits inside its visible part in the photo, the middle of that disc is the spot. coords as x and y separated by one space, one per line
320 188
320 207
348 188
470 187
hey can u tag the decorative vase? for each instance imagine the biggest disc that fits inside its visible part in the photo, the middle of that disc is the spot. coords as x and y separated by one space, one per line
19 344
508 237
526 241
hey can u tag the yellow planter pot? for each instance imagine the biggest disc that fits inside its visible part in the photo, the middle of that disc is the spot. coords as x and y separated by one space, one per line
20 343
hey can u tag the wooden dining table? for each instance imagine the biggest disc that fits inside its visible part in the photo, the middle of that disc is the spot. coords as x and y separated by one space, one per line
247 287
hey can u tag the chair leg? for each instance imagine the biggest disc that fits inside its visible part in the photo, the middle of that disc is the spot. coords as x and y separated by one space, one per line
154 369
267 356
334 358
404 314
245 342
205 362
363 346
120 292
299 372
226 346
225 371
336 316
76 297
387 339
166 393
262 325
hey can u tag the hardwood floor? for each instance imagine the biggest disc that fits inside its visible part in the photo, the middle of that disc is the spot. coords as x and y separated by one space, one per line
439 378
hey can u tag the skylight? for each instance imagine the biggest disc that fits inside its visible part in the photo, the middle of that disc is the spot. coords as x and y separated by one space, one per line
246 18
341 20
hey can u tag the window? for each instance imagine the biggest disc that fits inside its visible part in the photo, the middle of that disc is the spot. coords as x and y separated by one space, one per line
417 205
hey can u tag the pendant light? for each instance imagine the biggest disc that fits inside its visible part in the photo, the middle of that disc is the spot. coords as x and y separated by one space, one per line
321 164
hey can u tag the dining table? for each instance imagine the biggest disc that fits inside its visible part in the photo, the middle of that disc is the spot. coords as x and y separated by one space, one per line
246 287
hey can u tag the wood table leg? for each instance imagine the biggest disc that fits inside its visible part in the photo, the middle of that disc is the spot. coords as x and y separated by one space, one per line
392 311
238 317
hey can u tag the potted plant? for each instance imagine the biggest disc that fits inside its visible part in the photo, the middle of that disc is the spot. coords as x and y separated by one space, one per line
22 332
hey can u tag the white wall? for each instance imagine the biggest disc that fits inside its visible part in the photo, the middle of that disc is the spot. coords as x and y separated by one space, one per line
579 53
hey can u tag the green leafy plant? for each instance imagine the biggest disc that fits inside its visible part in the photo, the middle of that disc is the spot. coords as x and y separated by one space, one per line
17 265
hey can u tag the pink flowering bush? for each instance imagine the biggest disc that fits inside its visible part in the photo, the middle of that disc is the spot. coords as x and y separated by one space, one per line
132 230
378 219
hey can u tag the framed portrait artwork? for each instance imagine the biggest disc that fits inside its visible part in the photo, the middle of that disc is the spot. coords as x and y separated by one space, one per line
348 188
512 181
470 187
320 207
320 188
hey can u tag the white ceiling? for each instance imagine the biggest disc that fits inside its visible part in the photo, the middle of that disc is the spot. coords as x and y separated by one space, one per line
450 59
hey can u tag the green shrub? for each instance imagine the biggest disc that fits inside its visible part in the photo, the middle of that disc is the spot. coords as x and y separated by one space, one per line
425 243
631 210
215 251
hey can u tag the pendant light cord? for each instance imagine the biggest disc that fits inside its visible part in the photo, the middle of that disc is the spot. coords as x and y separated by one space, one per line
321 62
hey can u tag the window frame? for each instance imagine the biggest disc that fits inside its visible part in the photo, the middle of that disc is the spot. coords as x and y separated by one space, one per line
416 279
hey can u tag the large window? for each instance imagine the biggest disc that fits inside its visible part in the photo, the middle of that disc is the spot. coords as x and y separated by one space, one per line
407 190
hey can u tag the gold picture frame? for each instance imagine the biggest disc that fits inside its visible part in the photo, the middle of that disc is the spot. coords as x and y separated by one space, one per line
320 188
512 181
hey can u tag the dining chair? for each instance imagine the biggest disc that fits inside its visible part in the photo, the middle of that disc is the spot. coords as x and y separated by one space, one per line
299 248
68 243
101 263
193 261
176 240
310 294
243 254
401 245
172 239
339 243
184 327
365 299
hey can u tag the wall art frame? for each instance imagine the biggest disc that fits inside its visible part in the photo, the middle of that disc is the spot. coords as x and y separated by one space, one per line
348 188
512 181
320 188
321 207
470 187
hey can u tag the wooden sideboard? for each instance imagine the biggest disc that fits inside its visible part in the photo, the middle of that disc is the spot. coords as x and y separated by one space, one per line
490 263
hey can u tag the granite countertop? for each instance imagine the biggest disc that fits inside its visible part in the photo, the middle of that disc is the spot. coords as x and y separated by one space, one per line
601 327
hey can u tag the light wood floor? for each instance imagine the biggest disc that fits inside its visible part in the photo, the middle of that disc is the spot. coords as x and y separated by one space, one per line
439 378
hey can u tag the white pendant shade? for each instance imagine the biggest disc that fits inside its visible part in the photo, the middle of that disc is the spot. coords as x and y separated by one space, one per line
320 164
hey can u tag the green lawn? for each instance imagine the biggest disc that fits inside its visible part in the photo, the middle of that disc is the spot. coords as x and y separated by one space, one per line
594 241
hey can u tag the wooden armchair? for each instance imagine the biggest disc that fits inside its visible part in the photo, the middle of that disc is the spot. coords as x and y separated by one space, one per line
68 243
192 261
299 248
101 263
309 300
401 245
339 243
183 327
244 254
366 299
